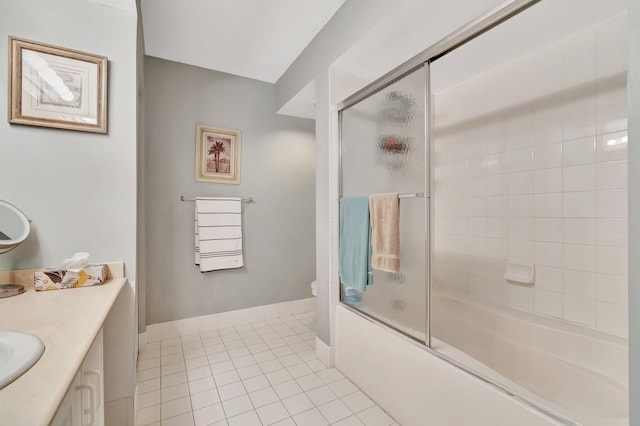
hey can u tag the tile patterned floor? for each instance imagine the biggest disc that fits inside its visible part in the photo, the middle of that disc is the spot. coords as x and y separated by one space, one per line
263 373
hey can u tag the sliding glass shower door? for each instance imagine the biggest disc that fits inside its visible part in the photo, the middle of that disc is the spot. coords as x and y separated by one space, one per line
383 140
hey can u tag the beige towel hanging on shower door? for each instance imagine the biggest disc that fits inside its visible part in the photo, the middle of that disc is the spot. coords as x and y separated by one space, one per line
385 232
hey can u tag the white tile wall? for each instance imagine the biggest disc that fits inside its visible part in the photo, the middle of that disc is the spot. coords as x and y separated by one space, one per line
537 173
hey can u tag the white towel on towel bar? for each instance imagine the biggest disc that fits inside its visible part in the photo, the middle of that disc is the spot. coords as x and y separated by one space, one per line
218 233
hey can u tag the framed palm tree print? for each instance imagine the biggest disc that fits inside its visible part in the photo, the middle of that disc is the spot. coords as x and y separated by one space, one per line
217 154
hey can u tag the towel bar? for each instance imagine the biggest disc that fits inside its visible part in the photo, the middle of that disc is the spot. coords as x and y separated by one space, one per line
244 200
410 195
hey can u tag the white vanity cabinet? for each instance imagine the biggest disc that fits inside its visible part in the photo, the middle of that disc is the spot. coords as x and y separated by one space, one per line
83 405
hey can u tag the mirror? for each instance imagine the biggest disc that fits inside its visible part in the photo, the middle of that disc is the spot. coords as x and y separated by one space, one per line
14 226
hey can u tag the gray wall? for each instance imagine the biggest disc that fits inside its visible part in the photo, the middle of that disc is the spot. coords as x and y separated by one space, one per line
633 99
78 188
277 170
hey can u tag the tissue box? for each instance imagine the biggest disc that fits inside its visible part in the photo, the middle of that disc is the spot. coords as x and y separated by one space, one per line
56 279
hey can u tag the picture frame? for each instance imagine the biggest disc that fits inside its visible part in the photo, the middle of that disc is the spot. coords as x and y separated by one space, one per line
218 154
52 86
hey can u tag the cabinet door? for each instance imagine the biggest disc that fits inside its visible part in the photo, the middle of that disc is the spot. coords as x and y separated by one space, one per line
93 385
84 403
70 411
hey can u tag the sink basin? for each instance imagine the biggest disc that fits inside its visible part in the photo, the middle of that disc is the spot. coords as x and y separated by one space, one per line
18 353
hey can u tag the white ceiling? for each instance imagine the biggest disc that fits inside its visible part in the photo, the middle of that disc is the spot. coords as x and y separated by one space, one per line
257 39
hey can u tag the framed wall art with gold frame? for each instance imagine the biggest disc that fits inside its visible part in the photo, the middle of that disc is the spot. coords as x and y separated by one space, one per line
52 86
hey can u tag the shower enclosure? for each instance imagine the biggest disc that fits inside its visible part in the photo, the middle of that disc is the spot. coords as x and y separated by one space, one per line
506 143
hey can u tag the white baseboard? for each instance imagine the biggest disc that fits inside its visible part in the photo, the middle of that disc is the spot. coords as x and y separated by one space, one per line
325 353
183 327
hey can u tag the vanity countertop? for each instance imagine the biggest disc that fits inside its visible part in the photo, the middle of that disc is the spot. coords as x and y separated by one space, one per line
67 321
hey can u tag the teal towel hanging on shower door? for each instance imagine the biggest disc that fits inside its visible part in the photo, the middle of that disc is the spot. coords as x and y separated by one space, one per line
354 264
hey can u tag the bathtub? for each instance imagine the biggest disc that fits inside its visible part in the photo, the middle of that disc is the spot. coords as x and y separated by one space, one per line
562 368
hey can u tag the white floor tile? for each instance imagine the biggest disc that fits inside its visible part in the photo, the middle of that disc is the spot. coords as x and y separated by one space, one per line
350 421
172 359
244 361
278 376
185 419
263 397
175 407
222 379
148 374
299 370
334 411
358 401
316 365
258 347
198 373
218 357
250 418
175 392
265 373
210 341
276 343
148 386
251 340
283 351
148 415
194 353
169 342
375 416
231 391
311 417
249 371
290 360
175 367
296 404
148 363
189 346
309 382
306 353
287 389
207 415
143 355
272 413
201 385
292 340
239 352
236 344
286 422
174 379
235 406
148 399
342 387
204 399
330 375
222 367
215 349
201 361
264 356
154 346
213 334
170 350
271 365
256 383
321 395
190 338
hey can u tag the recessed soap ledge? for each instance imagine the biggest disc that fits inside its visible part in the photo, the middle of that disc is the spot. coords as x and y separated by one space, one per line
520 273
67 321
